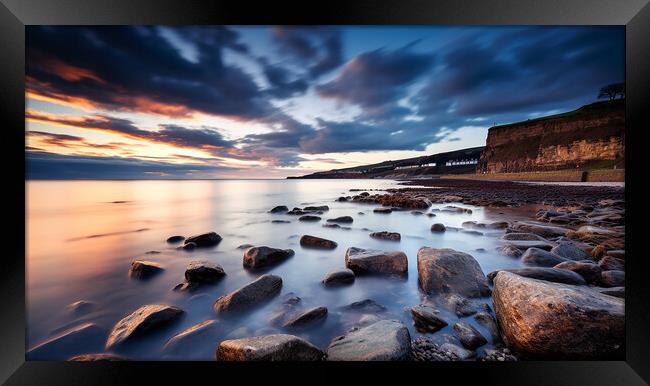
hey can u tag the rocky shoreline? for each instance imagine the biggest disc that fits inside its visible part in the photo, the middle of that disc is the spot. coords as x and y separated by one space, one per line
567 302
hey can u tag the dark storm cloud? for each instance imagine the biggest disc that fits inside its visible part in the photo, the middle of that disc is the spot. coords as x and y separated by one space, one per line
136 68
320 48
43 165
283 83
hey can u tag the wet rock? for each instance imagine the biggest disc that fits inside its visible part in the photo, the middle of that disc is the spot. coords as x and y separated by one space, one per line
257 257
449 271
368 319
438 228
469 336
557 321
366 305
426 319
455 209
189 246
142 269
317 242
310 316
342 219
617 253
383 210
188 342
612 279
340 277
73 341
209 239
498 225
203 272
539 229
386 340
279 209
431 214
416 213
342 199
323 208
425 350
175 239
525 244
80 307
618 292
99 357
384 235
140 321
276 347
569 250
609 263
250 295
544 273
485 319
308 217
510 250
296 212
457 352
244 246
502 354
457 304
372 261
280 222
541 258
589 271
518 236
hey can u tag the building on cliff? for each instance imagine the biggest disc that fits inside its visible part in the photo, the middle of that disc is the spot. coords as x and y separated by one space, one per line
591 137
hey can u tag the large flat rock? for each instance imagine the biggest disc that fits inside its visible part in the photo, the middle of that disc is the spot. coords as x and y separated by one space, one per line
276 347
557 321
555 275
449 271
385 340
140 321
373 261
250 295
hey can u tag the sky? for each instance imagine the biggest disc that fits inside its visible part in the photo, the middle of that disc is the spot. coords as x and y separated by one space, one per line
162 102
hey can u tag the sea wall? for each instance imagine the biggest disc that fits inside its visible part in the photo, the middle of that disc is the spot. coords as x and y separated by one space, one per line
591 137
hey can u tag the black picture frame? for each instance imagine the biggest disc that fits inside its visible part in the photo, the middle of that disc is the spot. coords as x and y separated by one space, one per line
16 14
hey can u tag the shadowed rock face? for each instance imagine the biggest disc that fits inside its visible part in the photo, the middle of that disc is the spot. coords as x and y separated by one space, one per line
612 279
541 258
75 340
570 251
469 336
426 319
258 257
203 272
538 229
340 277
187 342
449 271
542 273
142 269
204 240
143 319
372 261
279 209
257 292
553 321
589 271
317 242
277 347
386 340
310 316
609 263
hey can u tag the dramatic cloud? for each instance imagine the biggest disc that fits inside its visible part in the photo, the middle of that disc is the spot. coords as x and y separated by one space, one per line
320 48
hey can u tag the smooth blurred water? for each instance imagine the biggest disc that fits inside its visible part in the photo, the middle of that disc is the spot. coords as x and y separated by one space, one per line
83 235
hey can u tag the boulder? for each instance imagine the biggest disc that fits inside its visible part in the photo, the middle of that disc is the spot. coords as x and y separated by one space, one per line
99 357
308 217
280 222
612 279
486 320
142 269
310 316
342 219
383 210
323 208
618 292
438 228
609 263
538 229
140 321
275 347
541 258
385 340
175 239
426 319
569 250
209 239
525 244
261 290
189 342
457 304
544 273
392 236
373 261
518 236
457 352
557 321
317 242
509 250
203 272
618 253
257 257
340 277
279 209
449 271
589 271
469 336
189 246
365 305
73 341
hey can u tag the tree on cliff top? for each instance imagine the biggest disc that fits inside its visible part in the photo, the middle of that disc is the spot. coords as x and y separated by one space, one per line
612 91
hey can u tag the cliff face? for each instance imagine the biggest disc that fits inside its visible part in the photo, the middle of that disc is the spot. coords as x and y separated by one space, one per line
591 136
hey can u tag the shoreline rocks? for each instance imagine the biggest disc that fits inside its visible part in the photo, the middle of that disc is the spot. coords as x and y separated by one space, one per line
385 340
309 217
541 258
258 257
469 336
209 239
311 316
438 228
554 275
73 341
342 219
450 271
275 347
175 239
255 293
338 278
370 261
143 269
140 321
279 209
317 242
384 235
426 319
